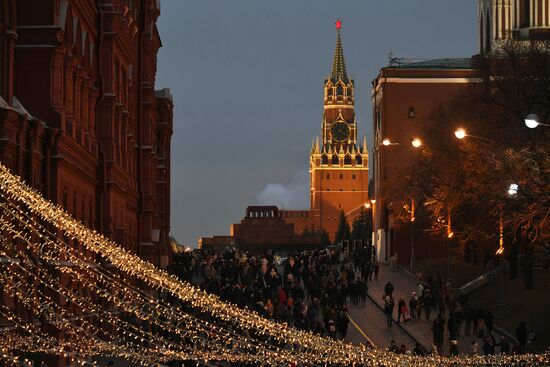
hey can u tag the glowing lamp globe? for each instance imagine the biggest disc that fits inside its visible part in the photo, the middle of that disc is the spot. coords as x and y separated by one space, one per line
460 133
532 121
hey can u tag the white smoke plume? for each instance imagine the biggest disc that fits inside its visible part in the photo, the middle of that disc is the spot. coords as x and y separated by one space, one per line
294 195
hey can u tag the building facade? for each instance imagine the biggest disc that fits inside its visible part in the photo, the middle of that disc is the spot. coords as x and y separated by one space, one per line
80 119
404 94
338 165
268 228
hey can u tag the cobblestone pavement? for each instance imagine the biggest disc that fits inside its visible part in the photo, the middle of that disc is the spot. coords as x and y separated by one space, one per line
372 322
421 330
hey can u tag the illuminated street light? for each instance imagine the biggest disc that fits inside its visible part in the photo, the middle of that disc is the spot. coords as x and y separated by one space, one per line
460 133
387 142
367 205
373 201
532 121
513 189
416 142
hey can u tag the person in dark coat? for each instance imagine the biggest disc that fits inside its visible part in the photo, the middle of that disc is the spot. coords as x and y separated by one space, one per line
388 289
521 334
388 309
343 322
438 330
453 348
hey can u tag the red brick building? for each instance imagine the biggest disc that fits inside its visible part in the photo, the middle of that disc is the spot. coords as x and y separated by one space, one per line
338 166
80 119
267 227
403 95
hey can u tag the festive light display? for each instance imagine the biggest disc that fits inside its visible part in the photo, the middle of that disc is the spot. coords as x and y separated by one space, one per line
62 285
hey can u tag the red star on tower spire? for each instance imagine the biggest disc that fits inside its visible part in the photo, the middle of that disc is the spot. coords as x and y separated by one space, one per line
338 23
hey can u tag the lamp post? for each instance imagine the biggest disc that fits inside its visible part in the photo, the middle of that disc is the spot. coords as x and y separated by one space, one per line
412 235
512 192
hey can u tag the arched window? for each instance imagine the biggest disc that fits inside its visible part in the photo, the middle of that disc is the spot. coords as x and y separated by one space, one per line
339 90
335 159
324 159
350 91
329 91
358 159
347 159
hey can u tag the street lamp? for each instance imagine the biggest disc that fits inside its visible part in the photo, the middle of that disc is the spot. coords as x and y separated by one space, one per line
416 142
387 142
460 133
412 235
532 121
512 191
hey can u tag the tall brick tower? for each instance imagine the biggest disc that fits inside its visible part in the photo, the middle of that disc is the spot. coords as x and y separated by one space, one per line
338 167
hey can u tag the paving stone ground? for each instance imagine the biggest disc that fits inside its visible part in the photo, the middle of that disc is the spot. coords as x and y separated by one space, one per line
372 321
421 331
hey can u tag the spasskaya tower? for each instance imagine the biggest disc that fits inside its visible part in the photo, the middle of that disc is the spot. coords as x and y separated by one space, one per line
338 166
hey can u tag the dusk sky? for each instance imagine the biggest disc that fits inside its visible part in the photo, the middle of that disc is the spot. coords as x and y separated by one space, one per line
247 82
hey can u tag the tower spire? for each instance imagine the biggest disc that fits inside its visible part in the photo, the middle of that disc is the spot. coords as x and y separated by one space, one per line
338 63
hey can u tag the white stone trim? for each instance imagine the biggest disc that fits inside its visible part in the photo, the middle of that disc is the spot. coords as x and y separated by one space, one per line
426 80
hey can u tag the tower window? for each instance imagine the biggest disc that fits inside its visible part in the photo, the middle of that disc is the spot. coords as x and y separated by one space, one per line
341 176
353 177
335 159
339 91
329 91
328 176
412 112
350 92
347 159
358 159
328 189
324 159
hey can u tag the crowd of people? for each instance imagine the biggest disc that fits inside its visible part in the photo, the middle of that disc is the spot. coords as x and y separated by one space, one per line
309 290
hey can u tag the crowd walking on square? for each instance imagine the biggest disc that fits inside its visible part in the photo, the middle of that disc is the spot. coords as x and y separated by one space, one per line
311 290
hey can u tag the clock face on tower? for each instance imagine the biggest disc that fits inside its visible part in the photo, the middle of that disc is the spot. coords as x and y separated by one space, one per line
340 131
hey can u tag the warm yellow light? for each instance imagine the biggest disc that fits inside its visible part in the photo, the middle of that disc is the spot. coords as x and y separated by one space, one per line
367 205
373 201
460 133
451 234
386 142
500 251
416 142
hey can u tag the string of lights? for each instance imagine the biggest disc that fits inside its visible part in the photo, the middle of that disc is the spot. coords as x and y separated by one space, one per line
70 296
313 348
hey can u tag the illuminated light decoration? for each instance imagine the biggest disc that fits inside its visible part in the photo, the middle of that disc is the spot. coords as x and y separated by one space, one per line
320 351
98 268
460 133
386 142
532 121
338 24
513 189
416 142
